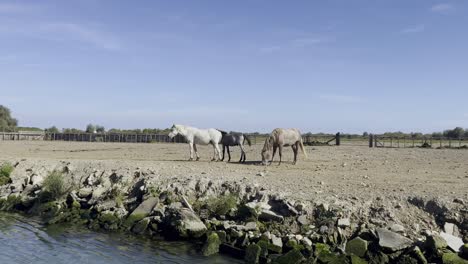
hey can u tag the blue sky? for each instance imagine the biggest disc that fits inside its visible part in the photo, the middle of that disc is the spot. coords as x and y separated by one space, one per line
321 66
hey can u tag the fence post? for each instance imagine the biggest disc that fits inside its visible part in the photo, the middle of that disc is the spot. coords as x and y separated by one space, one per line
338 139
371 140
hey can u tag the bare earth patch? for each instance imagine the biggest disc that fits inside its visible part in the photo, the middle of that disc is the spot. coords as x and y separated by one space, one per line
354 172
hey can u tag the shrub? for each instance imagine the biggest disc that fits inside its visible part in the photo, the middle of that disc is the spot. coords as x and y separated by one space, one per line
5 172
221 205
54 185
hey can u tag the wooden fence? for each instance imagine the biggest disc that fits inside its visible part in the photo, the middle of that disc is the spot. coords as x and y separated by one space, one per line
379 141
311 140
22 136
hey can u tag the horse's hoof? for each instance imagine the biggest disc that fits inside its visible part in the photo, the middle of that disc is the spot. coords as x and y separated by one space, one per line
191 159
198 159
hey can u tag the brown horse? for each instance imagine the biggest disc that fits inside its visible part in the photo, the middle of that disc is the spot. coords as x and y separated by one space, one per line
280 138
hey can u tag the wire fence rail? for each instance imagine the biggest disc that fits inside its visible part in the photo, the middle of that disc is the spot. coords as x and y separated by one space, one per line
379 141
311 140
373 140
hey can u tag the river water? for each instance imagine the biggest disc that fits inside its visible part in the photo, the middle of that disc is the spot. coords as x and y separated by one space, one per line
26 240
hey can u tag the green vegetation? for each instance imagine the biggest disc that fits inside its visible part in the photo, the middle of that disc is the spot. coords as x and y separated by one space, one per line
7 122
52 129
54 186
10 203
5 172
217 205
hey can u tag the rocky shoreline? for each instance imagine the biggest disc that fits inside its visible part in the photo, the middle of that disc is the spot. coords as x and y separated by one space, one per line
238 217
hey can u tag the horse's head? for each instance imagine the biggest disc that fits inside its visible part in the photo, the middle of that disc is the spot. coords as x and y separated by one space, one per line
266 151
175 130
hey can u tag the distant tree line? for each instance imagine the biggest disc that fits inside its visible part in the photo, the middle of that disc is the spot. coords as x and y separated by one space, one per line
10 124
457 132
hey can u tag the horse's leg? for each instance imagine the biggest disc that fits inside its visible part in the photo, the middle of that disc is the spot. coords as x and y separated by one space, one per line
196 151
295 148
214 153
191 150
218 150
242 153
280 152
274 152
224 150
229 154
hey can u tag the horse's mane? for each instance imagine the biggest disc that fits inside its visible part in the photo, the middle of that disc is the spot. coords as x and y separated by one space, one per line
222 132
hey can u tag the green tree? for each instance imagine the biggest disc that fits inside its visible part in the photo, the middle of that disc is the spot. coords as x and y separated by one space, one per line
52 129
100 129
90 128
454 133
7 122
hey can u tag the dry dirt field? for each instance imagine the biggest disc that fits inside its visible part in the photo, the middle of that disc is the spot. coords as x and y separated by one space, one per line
345 172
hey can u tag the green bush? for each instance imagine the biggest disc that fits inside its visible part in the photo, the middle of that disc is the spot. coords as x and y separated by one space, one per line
54 186
221 205
5 172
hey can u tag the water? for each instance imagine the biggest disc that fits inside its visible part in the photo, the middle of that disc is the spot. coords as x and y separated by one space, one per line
26 240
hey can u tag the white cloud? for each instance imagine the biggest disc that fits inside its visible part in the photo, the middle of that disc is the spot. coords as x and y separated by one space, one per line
81 33
341 99
442 8
414 29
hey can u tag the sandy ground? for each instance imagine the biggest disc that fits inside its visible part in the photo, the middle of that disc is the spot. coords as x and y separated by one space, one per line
348 172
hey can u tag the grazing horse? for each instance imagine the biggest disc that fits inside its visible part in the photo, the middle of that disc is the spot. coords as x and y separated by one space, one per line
279 138
234 139
196 136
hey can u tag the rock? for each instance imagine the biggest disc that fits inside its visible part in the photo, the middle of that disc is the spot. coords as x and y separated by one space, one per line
451 229
141 226
85 192
222 236
436 243
392 241
97 195
453 258
344 222
419 255
276 244
323 229
464 251
267 215
36 180
211 245
378 258
251 226
357 246
306 241
292 257
146 207
303 220
357 260
397 228
184 223
252 254
453 242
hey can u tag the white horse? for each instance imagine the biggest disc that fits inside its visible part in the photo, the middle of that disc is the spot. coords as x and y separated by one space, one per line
196 136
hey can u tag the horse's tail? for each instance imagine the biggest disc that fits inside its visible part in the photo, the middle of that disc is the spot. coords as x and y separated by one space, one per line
301 145
248 140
